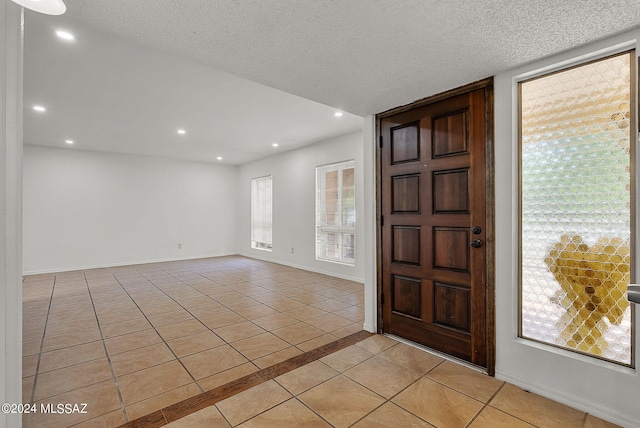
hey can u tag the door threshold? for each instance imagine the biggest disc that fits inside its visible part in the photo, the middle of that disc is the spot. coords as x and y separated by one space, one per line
448 357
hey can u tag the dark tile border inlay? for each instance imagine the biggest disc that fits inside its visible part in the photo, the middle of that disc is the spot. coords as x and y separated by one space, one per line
191 405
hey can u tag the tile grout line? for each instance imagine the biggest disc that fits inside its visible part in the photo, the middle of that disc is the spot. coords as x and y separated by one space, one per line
421 377
463 364
194 316
223 417
388 400
159 335
313 410
198 319
342 373
228 308
211 397
485 405
95 315
295 397
147 278
584 420
104 346
458 391
339 373
185 309
181 276
232 310
44 331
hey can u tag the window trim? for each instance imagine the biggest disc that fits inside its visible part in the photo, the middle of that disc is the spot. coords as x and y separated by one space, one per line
619 49
339 166
255 244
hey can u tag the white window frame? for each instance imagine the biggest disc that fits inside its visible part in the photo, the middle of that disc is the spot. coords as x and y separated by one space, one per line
573 354
607 391
262 221
322 228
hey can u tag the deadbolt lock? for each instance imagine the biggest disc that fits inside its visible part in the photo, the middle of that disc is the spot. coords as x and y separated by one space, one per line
477 230
476 243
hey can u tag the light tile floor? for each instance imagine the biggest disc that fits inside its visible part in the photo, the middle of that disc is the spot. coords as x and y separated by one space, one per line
132 340
380 382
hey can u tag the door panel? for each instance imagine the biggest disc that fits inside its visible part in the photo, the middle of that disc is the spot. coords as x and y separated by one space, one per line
405 145
450 134
406 245
406 193
451 306
407 298
451 191
432 195
451 248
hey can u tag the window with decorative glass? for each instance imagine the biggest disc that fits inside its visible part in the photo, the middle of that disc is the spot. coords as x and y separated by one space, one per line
576 246
336 212
261 213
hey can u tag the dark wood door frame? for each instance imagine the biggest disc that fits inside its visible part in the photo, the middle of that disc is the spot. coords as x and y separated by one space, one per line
487 85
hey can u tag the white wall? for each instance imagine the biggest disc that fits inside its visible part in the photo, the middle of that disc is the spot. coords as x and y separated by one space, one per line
10 211
294 200
370 224
89 209
603 389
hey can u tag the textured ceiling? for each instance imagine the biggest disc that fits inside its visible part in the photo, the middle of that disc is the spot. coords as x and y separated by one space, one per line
241 74
363 56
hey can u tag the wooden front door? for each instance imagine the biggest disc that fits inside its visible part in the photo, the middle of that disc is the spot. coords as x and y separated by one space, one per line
434 226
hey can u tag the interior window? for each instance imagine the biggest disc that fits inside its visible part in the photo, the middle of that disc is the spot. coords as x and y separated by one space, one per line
261 213
336 212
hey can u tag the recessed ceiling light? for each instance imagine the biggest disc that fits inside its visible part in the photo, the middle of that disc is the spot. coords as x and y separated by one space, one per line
181 131
275 144
338 114
39 108
68 141
219 158
65 35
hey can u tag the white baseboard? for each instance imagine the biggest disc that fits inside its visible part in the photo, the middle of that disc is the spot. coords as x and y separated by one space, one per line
173 259
303 267
120 264
589 407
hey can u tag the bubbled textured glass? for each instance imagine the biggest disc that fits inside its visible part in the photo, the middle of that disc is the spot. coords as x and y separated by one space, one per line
575 208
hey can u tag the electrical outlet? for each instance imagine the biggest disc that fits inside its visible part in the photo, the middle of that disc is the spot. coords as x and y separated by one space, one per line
293 250
179 246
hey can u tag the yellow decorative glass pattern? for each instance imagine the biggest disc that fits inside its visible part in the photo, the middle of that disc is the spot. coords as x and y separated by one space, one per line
575 208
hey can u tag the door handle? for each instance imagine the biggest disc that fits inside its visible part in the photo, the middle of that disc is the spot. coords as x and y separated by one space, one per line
476 243
633 293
